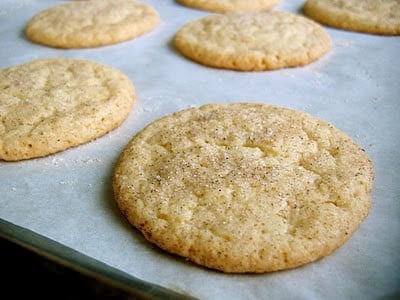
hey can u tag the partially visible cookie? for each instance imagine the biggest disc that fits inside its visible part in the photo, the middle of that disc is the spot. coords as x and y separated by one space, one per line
369 16
253 41
92 23
230 5
244 187
50 105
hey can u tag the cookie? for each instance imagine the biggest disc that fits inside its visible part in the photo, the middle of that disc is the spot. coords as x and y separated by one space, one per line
244 187
368 16
253 41
50 105
93 23
230 5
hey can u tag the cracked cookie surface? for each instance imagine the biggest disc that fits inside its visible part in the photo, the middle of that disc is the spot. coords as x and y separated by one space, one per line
369 16
253 41
82 24
244 187
50 105
230 5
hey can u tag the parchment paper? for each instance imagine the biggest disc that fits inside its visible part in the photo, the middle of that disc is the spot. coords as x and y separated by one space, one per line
67 196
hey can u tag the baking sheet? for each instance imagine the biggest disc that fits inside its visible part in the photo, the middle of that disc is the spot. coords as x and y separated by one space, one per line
67 197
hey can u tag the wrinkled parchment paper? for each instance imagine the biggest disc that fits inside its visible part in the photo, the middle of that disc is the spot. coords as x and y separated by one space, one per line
67 196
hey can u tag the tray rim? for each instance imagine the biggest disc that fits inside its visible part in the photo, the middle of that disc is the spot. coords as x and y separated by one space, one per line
72 259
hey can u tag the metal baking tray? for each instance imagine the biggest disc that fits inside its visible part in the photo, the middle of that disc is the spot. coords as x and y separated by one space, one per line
62 205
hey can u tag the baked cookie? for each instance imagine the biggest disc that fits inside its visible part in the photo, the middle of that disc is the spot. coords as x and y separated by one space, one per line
244 187
50 105
369 16
92 23
253 41
230 5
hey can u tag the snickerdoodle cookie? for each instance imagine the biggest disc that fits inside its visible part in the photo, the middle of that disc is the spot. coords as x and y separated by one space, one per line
244 187
253 41
92 23
230 5
369 16
50 105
